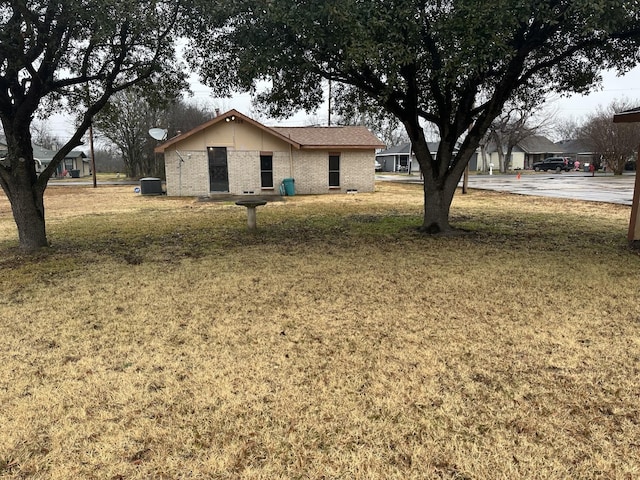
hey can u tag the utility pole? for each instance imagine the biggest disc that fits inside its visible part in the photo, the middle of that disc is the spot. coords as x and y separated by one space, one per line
93 157
329 102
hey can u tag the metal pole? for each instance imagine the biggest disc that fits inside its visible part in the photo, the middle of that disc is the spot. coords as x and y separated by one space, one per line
93 157
633 234
329 102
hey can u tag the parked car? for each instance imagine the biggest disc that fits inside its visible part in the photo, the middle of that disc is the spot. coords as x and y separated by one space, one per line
554 163
378 167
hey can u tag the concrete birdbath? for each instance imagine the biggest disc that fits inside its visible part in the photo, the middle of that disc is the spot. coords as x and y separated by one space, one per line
251 210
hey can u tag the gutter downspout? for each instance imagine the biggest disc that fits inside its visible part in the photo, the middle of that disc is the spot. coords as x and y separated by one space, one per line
290 158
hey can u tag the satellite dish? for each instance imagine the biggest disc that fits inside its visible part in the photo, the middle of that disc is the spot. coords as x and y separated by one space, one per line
158 133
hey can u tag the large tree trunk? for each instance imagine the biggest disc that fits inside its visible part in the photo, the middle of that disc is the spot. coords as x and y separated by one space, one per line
438 196
20 183
440 176
27 205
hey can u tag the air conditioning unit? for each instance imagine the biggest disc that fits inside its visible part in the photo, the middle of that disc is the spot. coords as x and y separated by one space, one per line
151 186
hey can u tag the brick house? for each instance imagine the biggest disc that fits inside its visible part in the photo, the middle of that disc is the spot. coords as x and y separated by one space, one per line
235 154
526 152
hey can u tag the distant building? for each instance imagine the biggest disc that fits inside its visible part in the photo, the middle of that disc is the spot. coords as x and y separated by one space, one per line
74 164
578 150
526 152
400 158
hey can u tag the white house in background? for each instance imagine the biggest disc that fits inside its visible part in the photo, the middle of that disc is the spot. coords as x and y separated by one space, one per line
400 158
74 164
235 154
528 151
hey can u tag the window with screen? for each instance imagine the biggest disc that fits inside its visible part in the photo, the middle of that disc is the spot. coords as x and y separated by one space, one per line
334 170
266 170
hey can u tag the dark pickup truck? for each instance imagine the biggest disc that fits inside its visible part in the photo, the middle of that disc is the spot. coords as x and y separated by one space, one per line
557 164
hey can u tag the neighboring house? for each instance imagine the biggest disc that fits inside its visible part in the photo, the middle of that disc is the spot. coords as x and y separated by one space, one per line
235 154
578 150
398 158
75 163
526 152
401 158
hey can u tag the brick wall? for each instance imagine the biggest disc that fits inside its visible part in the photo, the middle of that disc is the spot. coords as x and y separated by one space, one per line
188 178
311 171
309 168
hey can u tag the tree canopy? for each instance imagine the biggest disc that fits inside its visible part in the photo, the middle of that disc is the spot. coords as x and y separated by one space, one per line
72 54
452 63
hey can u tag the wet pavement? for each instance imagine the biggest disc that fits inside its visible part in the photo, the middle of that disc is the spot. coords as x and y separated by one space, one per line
573 185
603 187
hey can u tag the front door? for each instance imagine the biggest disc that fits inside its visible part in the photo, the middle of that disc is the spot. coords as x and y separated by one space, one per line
218 171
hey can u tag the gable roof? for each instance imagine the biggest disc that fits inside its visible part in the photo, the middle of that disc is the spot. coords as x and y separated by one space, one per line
539 144
43 154
405 149
577 146
297 137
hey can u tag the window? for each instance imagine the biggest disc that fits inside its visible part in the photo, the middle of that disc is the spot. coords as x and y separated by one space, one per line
334 170
266 170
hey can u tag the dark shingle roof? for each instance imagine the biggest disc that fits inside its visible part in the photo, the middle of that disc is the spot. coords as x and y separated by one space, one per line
539 144
405 148
323 137
576 147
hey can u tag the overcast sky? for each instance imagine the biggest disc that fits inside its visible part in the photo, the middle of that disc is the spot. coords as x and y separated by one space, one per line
613 88
575 107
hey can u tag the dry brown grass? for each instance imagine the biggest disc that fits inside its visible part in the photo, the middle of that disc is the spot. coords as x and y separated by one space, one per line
160 339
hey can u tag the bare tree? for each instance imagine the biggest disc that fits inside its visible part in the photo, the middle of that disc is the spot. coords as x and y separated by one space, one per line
567 129
515 124
126 122
615 143
41 135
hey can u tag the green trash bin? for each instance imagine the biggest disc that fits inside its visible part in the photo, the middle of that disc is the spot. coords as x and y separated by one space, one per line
289 186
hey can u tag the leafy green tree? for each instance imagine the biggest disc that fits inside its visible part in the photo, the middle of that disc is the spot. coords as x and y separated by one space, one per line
452 63
72 54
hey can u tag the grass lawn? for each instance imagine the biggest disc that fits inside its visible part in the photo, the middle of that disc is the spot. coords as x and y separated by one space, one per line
159 339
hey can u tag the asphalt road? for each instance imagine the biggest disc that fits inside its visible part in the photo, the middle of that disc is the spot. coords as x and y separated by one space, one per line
575 185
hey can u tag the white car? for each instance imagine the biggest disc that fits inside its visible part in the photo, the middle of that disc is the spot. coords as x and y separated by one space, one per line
378 166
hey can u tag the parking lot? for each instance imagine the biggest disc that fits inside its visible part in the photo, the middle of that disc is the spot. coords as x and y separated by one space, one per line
576 185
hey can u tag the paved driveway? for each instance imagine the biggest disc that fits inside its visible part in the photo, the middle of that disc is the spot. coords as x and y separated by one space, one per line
575 185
